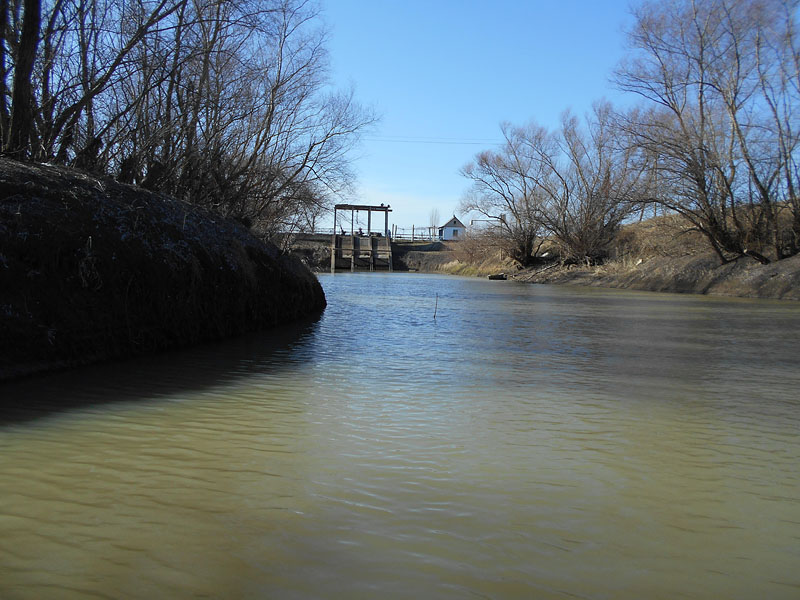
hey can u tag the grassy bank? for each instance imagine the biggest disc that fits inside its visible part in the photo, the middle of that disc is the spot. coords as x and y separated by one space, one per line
91 269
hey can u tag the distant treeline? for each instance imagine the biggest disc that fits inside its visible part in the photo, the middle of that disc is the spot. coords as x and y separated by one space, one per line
224 103
715 139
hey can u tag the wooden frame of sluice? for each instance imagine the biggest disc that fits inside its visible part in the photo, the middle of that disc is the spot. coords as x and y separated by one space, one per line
358 250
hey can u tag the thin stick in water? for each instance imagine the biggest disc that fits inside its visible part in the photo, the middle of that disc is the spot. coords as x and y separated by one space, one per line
436 307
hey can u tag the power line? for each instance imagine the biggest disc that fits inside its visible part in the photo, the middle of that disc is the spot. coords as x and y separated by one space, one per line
427 140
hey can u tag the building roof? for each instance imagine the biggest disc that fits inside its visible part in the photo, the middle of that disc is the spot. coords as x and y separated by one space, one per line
454 222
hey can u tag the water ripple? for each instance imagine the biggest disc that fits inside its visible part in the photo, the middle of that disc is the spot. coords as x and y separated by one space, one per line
530 442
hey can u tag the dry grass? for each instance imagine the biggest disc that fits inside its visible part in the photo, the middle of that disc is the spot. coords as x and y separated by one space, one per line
667 235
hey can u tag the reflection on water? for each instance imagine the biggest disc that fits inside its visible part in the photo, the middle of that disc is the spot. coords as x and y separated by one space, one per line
531 441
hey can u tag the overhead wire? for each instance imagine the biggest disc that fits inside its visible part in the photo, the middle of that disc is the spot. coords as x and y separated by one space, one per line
395 139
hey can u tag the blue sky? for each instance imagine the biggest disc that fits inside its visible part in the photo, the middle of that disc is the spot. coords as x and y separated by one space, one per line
444 74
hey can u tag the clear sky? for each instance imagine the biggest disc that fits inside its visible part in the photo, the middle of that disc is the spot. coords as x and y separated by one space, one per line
443 75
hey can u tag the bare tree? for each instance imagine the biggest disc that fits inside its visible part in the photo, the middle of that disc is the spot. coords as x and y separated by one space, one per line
83 59
222 103
777 58
709 71
433 221
433 218
593 182
253 133
575 185
504 189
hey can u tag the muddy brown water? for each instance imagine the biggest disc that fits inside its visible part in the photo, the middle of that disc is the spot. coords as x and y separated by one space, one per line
530 442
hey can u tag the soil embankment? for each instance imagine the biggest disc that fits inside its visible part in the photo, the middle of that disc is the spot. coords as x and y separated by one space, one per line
693 274
420 256
449 258
91 269
659 254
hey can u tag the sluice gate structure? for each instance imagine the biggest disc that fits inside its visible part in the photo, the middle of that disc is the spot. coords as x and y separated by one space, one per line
359 250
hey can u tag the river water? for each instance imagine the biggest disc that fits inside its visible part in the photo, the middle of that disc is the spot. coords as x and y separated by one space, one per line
528 442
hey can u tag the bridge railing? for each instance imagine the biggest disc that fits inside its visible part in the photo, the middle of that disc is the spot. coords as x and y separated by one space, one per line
405 234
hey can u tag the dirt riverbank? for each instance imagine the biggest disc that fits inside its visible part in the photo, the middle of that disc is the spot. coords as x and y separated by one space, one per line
91 269
658 254
694 274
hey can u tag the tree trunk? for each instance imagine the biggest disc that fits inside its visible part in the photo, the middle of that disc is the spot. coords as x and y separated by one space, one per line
21 130
4 117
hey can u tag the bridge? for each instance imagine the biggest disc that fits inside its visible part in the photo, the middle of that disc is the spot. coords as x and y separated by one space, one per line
361 250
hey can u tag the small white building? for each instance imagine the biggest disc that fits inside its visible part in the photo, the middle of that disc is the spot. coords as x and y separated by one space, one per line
452 230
